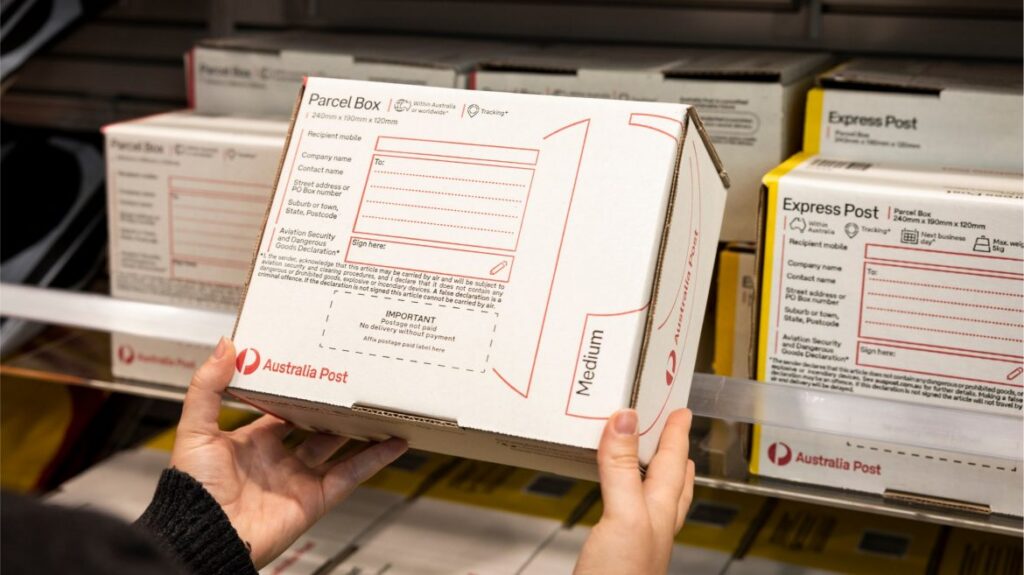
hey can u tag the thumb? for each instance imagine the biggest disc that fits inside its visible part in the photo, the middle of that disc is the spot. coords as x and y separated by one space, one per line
202 400
619 465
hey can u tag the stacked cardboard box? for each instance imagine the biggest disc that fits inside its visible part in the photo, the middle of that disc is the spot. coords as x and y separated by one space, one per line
716 526
803 539
261 74
481 518
976 553
123 486
899 281
751 102
372 503
186 195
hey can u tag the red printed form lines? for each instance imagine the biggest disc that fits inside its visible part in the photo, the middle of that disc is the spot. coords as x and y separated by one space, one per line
451 202
213 226
947 321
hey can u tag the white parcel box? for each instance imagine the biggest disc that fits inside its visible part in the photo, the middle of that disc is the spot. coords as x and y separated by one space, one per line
261 74
919 113
489 275
804 539
895 283
750 102
480 518
716 526
186 196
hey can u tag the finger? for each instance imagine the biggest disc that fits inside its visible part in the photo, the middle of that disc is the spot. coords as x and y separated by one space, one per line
202 400
619 465
273 425
343 477
687 497
318 448
666 475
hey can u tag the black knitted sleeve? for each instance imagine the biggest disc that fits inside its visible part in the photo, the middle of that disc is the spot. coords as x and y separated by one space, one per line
190 524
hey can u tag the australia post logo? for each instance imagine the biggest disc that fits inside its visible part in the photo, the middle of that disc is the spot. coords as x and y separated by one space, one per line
672 361
248 361
126 354
780 454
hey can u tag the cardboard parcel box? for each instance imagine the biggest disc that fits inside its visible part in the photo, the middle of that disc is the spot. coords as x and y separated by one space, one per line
186 198
488 275
480 518
717 524
919 113
260 74
750 101
804 539
968 552
904 284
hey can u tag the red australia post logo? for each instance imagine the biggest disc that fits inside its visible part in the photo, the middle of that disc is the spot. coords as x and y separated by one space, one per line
670 368
248 361
780 454
126 354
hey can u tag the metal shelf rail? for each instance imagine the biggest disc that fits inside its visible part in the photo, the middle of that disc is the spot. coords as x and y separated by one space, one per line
731 399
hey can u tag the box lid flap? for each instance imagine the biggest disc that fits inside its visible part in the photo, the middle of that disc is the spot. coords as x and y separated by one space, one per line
746 65
923 76
412 50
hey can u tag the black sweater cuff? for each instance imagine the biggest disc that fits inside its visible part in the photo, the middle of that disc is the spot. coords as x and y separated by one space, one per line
190 524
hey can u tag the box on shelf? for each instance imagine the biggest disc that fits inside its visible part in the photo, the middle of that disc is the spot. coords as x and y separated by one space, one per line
726 442
260 74
122 485
916 112
368 505
735 310
804 539
716 525
969 552
187 195
895 283
463 283
479 518
751 101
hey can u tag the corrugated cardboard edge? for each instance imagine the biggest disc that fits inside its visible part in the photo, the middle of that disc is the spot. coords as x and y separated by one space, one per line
216 44
919 500
659 267
715 159
694 120
270 206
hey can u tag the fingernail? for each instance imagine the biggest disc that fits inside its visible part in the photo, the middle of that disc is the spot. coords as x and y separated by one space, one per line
222 346
625 422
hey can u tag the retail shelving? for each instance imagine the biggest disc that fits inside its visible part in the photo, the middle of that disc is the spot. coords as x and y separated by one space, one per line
76 350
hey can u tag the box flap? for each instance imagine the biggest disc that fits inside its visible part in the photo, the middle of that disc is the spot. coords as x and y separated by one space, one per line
746 65
425 51
666 62
681 286
923 76
572 58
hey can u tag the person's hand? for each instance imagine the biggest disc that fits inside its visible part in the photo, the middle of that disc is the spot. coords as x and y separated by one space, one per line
641 517
270 494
